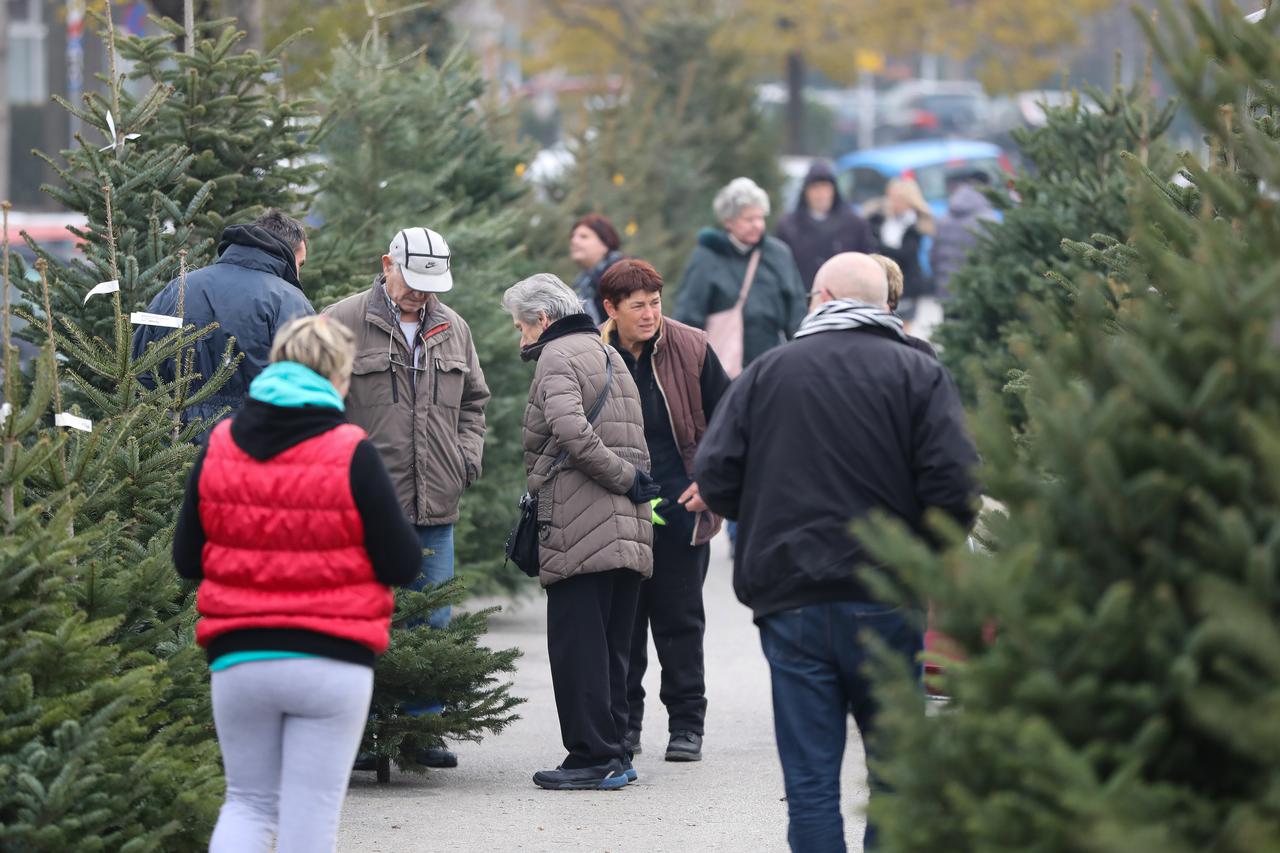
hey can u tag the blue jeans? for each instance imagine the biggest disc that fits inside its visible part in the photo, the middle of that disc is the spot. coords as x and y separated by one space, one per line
816 660
437 567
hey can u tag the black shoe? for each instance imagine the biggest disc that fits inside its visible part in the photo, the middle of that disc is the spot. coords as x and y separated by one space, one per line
436 756
366 762
602 777
684 746
631 743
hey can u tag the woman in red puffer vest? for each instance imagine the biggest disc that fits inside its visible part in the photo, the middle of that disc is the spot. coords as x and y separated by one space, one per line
294 530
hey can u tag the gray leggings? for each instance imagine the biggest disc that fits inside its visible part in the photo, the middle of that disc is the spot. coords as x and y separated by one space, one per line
289 731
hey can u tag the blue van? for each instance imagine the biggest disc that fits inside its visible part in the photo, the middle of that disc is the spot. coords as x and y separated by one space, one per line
863 175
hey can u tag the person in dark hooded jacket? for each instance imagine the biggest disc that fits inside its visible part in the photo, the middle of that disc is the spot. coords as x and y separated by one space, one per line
822 225
250 292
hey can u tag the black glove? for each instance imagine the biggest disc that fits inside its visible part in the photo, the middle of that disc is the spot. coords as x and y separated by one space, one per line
643 488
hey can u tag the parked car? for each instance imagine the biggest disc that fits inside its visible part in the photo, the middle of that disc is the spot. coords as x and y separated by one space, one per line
864 175
49 230
932 109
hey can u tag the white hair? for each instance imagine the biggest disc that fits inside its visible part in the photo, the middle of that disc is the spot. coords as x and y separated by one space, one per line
737 196
541 293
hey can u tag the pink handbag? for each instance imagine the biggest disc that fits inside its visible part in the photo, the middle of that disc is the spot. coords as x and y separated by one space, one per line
725 328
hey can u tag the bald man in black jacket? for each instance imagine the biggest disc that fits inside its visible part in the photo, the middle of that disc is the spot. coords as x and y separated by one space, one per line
846 420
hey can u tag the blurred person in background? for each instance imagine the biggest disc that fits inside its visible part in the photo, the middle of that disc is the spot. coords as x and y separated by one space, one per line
822 224
740 274
893 273
967 208
900 222
594 246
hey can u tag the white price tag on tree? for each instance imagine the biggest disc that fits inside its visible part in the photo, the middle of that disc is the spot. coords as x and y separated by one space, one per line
143 318
112 286
66 419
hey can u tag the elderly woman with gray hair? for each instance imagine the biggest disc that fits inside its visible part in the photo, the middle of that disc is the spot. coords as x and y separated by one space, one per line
740 284
587 463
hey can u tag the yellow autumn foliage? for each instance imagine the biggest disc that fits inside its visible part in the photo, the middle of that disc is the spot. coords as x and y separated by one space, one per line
1017 44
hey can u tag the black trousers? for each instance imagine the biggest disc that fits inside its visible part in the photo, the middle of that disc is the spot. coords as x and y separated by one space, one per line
589 623
671 605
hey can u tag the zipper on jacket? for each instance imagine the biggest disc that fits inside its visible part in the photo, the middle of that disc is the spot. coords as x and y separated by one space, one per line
671 424
435 383
395 395
413 447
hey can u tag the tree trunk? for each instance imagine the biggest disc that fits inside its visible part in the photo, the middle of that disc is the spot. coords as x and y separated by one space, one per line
4 101
175 10
796 142
249 14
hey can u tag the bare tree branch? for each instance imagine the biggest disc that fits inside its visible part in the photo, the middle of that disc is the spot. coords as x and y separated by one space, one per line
578 20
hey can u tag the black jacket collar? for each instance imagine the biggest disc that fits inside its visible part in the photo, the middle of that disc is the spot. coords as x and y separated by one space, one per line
264 431
627 356
574 324
257 248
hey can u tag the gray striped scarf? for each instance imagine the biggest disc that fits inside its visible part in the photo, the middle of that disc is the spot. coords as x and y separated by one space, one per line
849 314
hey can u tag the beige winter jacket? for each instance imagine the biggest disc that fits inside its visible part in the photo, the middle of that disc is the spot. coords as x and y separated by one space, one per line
588 523
428 424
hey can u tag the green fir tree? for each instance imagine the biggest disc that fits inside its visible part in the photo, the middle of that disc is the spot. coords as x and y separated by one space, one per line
1122 659
249 142
653 161
107 741
1072 201
426 666
410 144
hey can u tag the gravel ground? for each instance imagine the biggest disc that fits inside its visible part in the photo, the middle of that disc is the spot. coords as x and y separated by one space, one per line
731 800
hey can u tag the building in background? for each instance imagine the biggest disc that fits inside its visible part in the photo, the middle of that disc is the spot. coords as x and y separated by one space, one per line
51 49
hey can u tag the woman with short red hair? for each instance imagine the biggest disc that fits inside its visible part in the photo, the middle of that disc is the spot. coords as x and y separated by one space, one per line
680 381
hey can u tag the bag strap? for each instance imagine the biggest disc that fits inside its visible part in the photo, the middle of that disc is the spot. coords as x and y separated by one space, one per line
750 277
596 408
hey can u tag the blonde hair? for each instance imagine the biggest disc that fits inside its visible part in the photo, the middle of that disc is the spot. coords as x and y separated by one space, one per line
324 345
893 273
911 193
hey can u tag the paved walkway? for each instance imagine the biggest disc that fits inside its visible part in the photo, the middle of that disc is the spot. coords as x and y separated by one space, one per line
731 801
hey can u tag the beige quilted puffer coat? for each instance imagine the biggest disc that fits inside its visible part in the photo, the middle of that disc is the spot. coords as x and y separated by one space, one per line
588 523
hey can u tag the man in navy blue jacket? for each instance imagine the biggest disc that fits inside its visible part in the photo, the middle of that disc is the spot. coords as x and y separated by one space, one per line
250 292
845 420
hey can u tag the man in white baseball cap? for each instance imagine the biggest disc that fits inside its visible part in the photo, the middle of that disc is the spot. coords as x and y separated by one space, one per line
422 257
418 391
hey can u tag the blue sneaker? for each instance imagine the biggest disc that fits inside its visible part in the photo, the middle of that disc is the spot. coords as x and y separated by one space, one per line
602 777
632 775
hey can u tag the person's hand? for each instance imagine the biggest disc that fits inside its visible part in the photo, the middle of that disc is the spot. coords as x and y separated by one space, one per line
692 500
643 488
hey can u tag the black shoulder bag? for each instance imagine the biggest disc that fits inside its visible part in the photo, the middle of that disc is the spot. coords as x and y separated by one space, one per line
522 542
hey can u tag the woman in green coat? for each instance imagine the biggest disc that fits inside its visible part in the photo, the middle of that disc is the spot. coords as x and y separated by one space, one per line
714 277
